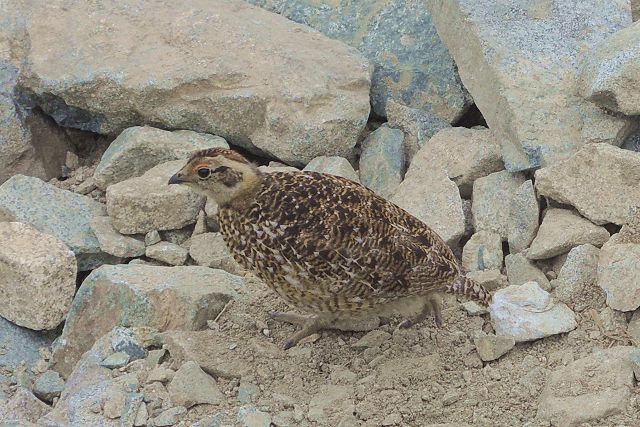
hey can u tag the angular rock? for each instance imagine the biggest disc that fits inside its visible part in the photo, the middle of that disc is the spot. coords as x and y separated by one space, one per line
333 165
210 250
48 386
192 386
113 242
578 272
382 161
138 149
418 125
372 339
275 101
483 251
492 198
250 416
474 309
115 360
152 237
466 155
23 407
492 347
561 230
160 374
169 253
520 271
522 77
490 279
37 277
610 74
411 63
147 203
139 295
608 193
57 212
601 385
433 198
528 313
330 399
619 275
524 214
633 328
170 417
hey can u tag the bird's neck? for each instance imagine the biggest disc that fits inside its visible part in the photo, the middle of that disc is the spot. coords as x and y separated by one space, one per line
250 189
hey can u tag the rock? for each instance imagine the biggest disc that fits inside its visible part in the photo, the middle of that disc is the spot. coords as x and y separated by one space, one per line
610 75
561 230
211 211
492 198
114 402
474 309
411 63
147 203
333 165
23 407
113 242
141 416
115 360
468 218
382 161
192 386
418 125
601 385
250 416
152 237
200 226
65 215
48 386
37 277
490 279
138 149
200 347
330 399
483 251
608 193
578 272
466 155
633 329
492 347
523 222
160 374
373 339
619 275
635 10
434 199
522 78
528 313
309 89
169 253
210 250
520 271
126 341
170 417
18 345
140 295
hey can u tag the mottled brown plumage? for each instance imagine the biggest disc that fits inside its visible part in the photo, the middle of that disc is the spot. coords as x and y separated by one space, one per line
327 245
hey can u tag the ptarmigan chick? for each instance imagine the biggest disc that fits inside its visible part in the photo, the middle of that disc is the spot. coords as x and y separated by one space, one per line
328 246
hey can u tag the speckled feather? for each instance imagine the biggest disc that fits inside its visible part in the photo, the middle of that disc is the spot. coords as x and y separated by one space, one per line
326 244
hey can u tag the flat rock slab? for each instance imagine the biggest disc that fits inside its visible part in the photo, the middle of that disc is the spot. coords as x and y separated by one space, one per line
619 275
147 203
610 73
192 386
57 212
139 295
228 69
599 385
563 229
578 272
602 182
411 63
381 165
528 313
139 148
37 277
519 62
113 242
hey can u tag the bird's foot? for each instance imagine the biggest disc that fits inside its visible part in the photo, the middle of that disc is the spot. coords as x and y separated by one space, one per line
431 306
310 325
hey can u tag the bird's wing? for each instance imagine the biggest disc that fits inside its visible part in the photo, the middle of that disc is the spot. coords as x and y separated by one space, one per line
358 244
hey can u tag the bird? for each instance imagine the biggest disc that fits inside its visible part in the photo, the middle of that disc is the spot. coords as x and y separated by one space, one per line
328 246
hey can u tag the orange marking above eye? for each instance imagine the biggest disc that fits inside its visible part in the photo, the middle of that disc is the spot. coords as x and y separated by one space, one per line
201 165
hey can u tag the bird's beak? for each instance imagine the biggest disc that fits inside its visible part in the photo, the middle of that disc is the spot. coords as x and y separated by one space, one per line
176 179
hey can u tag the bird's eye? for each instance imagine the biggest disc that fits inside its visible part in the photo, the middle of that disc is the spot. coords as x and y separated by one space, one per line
204 173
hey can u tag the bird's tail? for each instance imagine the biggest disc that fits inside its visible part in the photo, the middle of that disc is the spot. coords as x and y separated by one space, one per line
469 287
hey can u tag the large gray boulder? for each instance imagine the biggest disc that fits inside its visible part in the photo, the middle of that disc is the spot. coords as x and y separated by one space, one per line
518 59
217 66
412 65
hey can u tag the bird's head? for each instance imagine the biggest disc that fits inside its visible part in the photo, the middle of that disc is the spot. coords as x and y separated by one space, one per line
222 174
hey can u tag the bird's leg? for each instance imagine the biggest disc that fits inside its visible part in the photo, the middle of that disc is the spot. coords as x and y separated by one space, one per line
432 305
310 325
